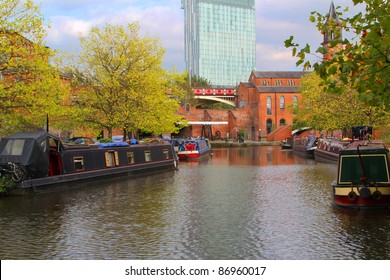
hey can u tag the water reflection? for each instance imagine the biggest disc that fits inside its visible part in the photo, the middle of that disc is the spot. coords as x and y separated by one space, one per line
251 203
259 156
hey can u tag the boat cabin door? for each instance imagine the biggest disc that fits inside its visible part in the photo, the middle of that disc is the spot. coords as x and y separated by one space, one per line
55 162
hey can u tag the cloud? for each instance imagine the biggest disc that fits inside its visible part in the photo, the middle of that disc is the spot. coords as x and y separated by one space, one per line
69 19
276 21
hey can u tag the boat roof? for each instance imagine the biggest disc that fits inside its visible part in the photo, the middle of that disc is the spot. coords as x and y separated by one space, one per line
30 135
297 132
365 147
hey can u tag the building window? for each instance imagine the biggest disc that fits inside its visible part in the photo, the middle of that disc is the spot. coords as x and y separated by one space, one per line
78 163
278 83
282 122
291 83
295 102
188 107
282 102
269 105
269 126
265 83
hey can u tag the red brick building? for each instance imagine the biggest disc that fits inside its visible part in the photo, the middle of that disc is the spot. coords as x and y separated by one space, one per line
263 104
263 108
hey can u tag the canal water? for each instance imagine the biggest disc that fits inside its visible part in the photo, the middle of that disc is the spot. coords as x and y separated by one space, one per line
241 203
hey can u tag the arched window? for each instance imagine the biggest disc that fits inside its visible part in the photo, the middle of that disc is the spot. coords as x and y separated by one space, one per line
188 107
282 102
269 105
282 122
295 102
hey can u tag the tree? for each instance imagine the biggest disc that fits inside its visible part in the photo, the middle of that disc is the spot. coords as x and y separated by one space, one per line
121 83
330 111
363 62
30 87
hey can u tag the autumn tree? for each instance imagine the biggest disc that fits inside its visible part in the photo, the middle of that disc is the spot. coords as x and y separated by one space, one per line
121 82
324 110
363 62
30 87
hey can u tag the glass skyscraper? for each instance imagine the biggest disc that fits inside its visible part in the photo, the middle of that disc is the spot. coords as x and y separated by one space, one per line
220 40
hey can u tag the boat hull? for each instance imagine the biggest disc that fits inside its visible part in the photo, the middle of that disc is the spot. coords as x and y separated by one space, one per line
353 197
194 149
192 155
69 181
305 146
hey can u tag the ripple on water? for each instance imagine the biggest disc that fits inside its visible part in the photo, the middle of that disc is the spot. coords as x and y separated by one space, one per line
256 203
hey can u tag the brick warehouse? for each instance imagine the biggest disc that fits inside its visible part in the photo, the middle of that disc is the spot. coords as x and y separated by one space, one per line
261 109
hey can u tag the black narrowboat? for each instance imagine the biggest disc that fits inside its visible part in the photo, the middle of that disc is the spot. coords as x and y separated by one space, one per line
37 161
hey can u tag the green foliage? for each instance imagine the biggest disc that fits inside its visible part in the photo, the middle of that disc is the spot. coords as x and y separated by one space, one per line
105 140
31 88
200 82
323 110
362 63
6 184
121 83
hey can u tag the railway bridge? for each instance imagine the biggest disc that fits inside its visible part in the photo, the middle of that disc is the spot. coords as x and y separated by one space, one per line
212 95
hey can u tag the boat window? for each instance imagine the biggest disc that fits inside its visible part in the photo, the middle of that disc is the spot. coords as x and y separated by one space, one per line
166 153
78 163
112 158
130 158
375 166
14 147
148 156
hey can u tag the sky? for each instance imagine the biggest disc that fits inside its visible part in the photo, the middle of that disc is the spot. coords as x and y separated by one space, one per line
276 21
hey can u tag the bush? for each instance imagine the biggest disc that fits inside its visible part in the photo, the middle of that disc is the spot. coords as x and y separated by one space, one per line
6 184
105 140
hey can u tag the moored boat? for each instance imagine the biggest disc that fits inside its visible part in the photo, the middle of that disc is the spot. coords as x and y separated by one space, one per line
287 143
328 149
192 149
39 161
363 179
305 145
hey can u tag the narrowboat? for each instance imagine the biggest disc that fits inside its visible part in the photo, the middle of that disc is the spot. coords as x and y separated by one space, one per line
39 161
363 179
305 146
192 149
328 149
